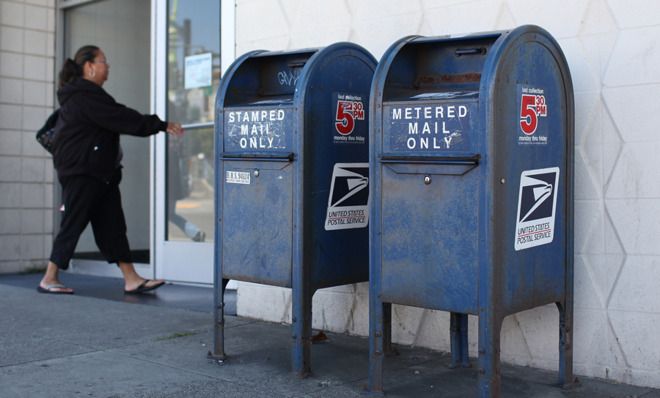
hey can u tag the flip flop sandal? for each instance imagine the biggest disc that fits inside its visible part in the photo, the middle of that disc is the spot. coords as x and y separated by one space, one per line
143 288
50 289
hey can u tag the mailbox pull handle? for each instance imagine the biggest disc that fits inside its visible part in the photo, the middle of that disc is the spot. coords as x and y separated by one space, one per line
467 160
470 51
263 157
297 63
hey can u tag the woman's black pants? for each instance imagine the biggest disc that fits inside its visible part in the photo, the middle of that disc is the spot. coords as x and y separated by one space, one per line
87 199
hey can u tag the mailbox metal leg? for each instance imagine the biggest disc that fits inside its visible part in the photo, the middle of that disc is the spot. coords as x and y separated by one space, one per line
458 326
302 332
218 352
566 378
489 378
387 329
378 340
465 350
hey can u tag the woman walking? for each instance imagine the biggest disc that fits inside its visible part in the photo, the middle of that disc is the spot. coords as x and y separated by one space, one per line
87 157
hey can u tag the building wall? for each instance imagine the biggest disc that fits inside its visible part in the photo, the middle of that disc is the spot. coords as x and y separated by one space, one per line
27 50
613 49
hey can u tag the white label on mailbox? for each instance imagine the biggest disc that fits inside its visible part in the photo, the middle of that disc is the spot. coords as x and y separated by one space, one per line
238 177
537 201
348 202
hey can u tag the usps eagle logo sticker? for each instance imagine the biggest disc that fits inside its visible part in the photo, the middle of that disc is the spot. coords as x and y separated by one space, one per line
537 202
348 201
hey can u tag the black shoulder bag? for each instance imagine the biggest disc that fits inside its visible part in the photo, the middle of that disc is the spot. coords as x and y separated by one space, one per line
46 134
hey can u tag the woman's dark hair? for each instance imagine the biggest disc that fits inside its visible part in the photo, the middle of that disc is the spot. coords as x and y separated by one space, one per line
73 68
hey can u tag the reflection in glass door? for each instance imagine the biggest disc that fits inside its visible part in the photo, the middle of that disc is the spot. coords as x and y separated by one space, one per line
190 186
193 77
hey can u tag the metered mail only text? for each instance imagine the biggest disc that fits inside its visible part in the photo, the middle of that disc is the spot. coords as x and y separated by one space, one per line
431 127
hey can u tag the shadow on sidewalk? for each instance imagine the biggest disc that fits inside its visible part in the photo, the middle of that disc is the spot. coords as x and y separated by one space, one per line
195 298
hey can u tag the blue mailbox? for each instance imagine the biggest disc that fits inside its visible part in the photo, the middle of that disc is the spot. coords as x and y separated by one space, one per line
292 177
472 188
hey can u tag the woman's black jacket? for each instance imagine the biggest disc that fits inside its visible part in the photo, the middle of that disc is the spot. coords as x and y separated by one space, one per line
88 128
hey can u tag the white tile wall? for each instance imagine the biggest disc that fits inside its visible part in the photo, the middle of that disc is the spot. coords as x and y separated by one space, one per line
32 148
11 14
27 47
612 144
433 332
32 247
36 42
10 142
563 18
45 3
597 19
596 351
331 25
637 224
11 39
11 195
375 25
32 222
34 93
440 19
636 123
10 116
10 168
9 219
34 117
634 60
50 70
32 170
634 328
11 64
635 13
334 310
636 173
273 30
50 45
613 49
274 303
36 17
540 328
10 246
33 197
13 266
11 91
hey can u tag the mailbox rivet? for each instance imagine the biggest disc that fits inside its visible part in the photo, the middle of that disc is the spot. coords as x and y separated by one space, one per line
427 180
256 173
502 181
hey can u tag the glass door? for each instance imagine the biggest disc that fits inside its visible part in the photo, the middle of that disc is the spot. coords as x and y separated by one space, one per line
185 210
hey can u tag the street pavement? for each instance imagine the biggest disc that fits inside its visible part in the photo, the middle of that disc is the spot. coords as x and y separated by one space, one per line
96 344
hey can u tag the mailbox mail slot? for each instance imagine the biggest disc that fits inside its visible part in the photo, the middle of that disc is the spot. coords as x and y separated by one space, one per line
292 179
472 181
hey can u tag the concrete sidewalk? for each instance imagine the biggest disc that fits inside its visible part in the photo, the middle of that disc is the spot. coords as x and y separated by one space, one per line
81 346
